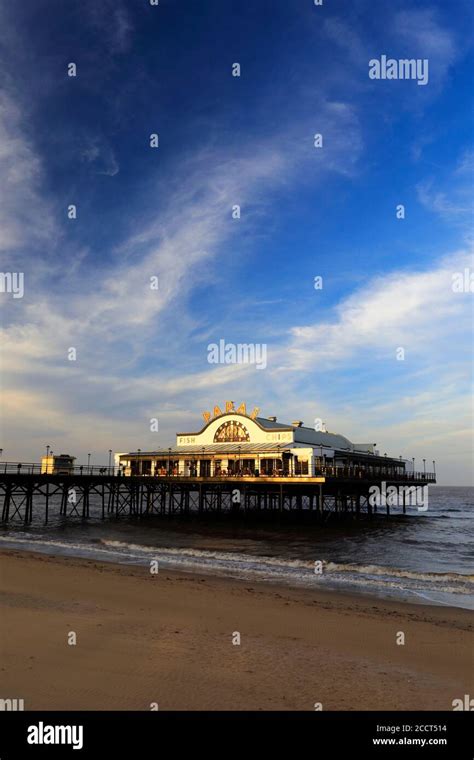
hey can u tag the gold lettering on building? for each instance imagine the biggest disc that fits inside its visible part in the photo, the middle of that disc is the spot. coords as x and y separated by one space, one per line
229 409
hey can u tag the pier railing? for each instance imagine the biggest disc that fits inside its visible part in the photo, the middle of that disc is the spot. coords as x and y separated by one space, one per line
338 471
35 468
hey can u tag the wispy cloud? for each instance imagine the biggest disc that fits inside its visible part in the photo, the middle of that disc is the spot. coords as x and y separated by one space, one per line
420 33
99 154
114 319
414 310
346 37
113 21
450 195
24 214
141 352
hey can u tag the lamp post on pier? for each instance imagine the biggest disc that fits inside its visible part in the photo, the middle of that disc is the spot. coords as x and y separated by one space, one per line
47 458
110 460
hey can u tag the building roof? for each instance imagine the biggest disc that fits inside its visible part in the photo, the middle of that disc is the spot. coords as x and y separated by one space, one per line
311 436
302 436
317 438
260 421
272 425
217 448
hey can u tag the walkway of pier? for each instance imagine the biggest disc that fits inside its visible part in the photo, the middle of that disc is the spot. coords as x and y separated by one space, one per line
332 493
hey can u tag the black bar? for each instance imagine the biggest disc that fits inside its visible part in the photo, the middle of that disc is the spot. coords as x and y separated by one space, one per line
148 733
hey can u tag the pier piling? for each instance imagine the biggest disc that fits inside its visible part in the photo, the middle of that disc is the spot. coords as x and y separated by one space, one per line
28 495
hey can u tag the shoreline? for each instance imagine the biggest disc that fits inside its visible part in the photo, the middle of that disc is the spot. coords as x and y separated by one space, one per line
168 639
332 583
140 569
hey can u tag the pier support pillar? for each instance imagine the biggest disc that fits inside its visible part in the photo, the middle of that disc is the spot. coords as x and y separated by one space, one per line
46 506
6 503
369 507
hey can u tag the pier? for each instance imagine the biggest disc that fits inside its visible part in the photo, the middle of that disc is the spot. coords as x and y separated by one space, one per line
105 492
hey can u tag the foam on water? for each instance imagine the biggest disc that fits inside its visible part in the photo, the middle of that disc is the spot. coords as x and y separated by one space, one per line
443 588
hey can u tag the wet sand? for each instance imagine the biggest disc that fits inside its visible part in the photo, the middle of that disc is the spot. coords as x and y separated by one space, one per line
168 639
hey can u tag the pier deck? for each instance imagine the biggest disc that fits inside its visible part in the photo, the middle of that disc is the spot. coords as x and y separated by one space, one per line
26 494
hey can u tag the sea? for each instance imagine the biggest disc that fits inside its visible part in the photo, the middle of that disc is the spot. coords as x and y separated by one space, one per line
423 556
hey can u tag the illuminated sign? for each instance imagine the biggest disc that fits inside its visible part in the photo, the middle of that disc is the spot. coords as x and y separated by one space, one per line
231 432
279 437
229 409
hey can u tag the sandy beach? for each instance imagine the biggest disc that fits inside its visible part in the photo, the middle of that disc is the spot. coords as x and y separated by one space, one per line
168 639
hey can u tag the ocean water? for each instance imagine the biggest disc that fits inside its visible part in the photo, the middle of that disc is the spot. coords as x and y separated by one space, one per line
423 557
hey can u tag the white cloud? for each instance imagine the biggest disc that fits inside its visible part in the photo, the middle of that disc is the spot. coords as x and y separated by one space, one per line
414 310
24 215
346 37
419 33
136 354
100 155
451 197
180 245
120 327
466 164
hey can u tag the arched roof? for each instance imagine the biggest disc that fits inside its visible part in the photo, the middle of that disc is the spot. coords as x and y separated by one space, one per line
263 424
301 434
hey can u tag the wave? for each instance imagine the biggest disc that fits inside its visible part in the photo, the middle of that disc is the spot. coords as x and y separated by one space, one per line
328 567
379 578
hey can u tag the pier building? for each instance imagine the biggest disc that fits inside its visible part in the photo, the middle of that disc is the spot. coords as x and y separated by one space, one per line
235 442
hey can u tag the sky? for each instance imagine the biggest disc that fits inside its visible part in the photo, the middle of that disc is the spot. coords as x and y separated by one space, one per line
380 348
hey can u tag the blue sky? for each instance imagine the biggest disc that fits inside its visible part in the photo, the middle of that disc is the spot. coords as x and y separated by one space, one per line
167 212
